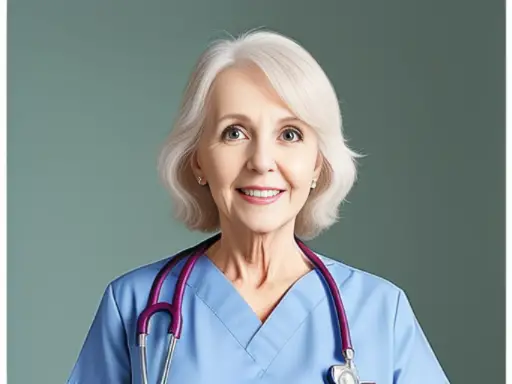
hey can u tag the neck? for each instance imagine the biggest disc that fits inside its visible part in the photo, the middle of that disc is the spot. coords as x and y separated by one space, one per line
256 259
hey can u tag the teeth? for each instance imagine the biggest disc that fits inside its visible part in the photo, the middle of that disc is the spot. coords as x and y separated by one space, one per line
259 193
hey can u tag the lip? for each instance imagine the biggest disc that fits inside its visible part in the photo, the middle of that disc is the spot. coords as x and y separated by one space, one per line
261 188
260 200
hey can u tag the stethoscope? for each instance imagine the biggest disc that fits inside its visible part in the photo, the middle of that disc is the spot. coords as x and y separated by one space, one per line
339 374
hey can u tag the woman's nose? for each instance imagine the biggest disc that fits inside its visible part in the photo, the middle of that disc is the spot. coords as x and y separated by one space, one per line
261 156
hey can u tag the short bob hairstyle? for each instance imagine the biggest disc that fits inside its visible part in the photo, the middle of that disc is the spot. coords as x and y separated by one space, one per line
303 86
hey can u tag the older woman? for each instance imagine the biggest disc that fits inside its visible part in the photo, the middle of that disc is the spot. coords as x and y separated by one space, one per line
257 153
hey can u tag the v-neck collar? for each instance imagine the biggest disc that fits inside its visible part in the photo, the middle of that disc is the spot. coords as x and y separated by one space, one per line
262 341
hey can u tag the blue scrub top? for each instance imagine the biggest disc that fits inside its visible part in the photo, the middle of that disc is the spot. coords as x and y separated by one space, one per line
223 341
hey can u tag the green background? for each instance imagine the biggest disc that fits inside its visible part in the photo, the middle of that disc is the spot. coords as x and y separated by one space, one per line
93 87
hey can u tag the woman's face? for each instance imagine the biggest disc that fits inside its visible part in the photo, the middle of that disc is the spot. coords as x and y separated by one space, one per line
257 157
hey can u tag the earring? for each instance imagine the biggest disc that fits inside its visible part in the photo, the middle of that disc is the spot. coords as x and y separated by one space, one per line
200 180
313 184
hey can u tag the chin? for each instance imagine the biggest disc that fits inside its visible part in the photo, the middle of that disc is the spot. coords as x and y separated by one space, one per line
262 225
261 230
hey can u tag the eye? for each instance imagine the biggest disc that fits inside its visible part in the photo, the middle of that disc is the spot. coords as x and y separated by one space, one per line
292 135
233 133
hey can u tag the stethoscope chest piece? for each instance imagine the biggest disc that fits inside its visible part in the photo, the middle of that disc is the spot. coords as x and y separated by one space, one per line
343 374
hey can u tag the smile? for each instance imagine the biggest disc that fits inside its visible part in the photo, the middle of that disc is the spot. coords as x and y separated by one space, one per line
260 196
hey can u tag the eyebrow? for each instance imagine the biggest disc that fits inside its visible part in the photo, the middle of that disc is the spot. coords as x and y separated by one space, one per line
242 117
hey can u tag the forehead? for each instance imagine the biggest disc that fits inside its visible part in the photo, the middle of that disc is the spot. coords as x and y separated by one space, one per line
245 90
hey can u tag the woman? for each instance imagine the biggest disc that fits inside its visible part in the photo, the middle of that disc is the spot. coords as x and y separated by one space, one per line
258 153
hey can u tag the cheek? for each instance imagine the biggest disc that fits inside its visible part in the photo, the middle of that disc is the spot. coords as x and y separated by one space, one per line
298 168
221 168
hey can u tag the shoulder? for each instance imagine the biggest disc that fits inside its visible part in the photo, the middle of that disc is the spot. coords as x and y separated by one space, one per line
132 287
382 310
363 286
141 278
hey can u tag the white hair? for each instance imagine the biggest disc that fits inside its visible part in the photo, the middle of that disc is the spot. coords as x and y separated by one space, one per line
302 84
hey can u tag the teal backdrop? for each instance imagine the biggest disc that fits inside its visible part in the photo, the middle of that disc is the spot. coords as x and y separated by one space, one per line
93 87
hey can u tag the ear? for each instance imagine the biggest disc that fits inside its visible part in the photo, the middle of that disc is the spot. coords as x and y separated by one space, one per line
195 164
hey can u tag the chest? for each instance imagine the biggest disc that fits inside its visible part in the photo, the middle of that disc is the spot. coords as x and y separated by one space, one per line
227 344
263 301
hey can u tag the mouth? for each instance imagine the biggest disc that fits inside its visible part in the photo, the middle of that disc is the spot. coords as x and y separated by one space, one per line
260 196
